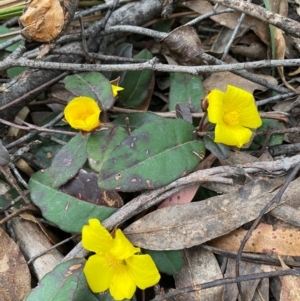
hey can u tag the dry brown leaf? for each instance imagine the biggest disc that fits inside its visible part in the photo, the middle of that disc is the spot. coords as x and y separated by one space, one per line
290 285
248 287
183 196
187 225
44 21
264 239
230 19
199 266
15 277
220 80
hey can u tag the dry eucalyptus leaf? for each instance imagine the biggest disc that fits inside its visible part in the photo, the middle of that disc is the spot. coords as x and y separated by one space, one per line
15 277
248 287
199 266
264 239
220 80
183 196
187 225
290 285
45 20
184 43
230 20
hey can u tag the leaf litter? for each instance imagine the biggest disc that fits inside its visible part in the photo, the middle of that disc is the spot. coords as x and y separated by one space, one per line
182 198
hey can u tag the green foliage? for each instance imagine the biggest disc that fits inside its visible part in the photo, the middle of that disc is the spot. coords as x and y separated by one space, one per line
154 155
220 150
101 144
169 262
135 120
68 213
136 83
69 160
15 71
268 125
91 84
65 283
13 47
186 89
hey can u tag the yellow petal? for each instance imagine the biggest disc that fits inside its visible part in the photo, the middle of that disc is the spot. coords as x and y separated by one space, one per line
122 285
235 97
243 102
249 116
232 135
83 113
95 237
215 106
143 270
115 89
122 247
98 274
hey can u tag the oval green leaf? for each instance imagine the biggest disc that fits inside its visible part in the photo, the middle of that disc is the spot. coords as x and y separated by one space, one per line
68 213
101 144
186 89
169 262
153 155
220 150
136 83
92 84
66 282
68 160
135 120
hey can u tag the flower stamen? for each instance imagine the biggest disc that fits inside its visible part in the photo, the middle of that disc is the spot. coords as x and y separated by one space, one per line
231 118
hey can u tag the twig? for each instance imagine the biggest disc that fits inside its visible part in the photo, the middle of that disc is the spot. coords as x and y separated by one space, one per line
229 280
286 24
275 199
29 207
234 33
31 127
34 91
50 249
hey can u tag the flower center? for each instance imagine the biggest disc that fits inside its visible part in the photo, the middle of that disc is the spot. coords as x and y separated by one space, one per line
83 115
231 118
113 262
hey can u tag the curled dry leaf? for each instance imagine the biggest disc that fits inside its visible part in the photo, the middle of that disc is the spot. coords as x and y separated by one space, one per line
184 43
44 21
14 273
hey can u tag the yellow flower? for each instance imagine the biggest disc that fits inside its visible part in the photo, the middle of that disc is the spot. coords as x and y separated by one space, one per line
233 112
115 89
82 113
115 266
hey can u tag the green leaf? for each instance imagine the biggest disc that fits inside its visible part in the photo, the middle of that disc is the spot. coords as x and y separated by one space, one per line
220 150
169 262
68 213
136 83
13 47
269 124
123 50
15 71
66 282
69 160
135 120
154 155
186 89
101 144
92 84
